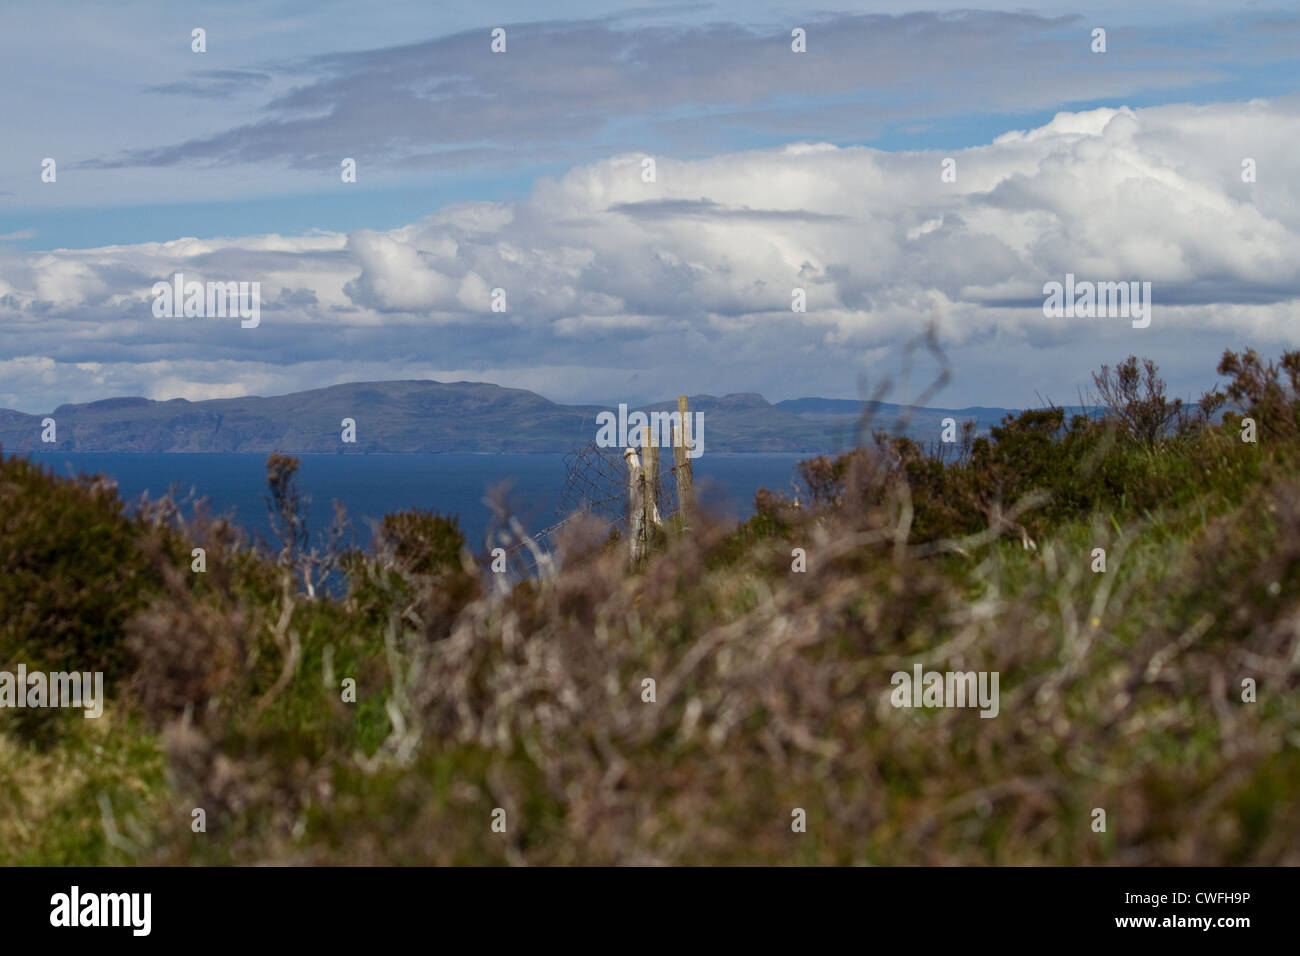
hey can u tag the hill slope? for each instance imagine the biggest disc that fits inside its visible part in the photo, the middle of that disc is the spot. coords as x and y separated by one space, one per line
428 416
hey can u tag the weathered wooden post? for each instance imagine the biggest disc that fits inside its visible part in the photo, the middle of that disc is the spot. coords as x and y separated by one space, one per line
650 474
682 464
635 503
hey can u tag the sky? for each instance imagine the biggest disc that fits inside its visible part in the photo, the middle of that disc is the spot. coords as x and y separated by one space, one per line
525 171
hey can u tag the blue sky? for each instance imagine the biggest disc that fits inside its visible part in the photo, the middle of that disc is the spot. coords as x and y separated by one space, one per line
471 163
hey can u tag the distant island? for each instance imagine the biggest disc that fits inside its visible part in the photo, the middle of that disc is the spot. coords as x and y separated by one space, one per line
426 416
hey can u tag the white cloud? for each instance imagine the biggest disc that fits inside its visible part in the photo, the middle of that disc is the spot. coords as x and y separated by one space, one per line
603 269
174 387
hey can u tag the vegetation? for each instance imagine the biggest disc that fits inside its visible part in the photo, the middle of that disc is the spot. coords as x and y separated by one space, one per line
1120 690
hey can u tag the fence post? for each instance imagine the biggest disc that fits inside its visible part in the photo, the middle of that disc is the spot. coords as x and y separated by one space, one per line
636 503
650 445
682 464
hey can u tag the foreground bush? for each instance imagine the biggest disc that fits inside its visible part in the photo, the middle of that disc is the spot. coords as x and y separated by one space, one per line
73 571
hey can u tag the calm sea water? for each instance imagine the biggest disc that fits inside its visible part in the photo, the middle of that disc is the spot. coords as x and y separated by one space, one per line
371 486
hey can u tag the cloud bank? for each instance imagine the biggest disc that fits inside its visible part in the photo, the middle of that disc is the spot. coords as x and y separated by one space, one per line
622 289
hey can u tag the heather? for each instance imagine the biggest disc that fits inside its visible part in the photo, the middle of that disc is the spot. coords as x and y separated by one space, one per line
390 719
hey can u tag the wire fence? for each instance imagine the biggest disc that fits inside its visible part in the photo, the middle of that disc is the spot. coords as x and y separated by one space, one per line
595 486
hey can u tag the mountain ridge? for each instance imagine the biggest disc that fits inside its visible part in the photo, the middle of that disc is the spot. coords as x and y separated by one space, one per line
424 415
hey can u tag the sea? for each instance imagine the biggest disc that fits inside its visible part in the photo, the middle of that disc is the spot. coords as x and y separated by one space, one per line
371 486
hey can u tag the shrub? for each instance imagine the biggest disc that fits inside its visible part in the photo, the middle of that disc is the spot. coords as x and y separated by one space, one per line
72 571
1135 396
422 542
1260 391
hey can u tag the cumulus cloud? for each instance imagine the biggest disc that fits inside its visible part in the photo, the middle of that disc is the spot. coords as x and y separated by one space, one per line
686 281
398 277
